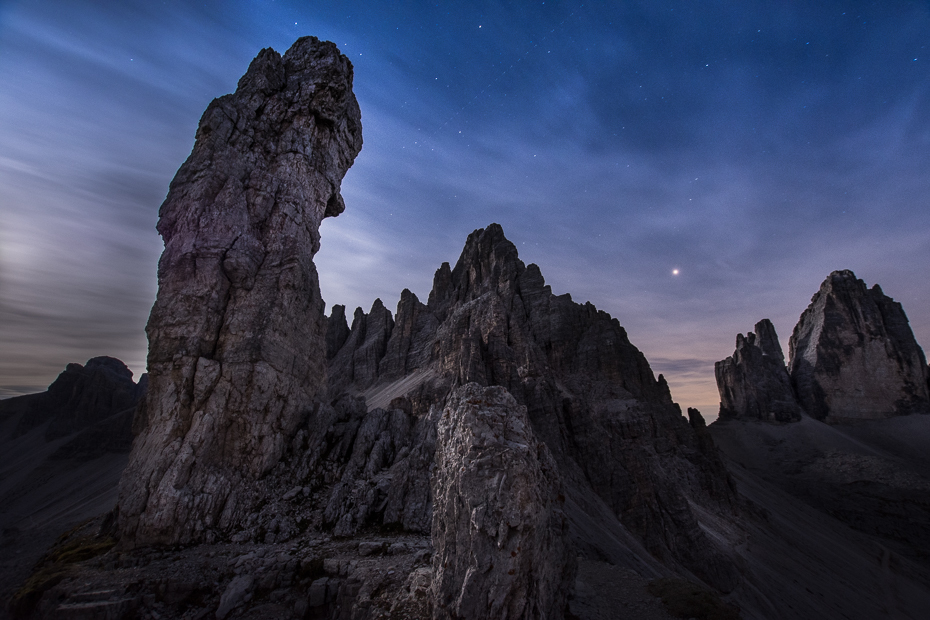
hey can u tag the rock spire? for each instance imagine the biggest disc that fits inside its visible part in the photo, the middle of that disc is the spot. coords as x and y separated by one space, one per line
236 347
753 382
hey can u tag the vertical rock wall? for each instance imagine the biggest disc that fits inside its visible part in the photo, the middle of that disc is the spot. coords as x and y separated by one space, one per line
500 536
753 382
236 345
853 355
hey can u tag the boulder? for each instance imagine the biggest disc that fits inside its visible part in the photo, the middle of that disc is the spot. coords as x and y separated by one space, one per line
853 355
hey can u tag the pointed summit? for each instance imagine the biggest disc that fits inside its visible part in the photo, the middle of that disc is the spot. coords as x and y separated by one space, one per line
753 382
489 261
853 355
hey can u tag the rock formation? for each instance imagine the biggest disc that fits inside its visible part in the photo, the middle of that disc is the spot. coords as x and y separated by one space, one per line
500 535
853 355
456 458
236 347
80 397
590 395
753 382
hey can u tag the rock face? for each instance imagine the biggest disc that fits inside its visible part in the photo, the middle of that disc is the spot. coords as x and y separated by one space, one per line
853 355
590 395
753 382
236 345
80 397
500 535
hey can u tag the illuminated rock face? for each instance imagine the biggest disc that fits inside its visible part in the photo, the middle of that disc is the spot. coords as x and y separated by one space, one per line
853 355
236 349
753 382
500 538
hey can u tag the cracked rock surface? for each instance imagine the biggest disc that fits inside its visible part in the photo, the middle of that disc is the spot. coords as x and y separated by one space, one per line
236 350
753 382
854 356
500 535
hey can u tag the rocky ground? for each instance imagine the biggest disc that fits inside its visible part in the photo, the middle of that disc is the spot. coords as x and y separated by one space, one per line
313 576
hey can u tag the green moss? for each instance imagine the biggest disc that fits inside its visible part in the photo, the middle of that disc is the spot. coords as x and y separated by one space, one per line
684 599
80 550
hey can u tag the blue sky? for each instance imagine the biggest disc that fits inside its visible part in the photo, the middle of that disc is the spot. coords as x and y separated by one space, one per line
755 149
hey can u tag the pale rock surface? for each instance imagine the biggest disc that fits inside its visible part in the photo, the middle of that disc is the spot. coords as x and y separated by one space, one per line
236 346
500 535
753 382
853 355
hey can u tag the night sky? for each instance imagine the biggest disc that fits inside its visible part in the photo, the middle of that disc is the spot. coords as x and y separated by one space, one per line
754 147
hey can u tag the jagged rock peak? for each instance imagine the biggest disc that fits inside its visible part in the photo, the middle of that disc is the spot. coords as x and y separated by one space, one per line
591 396
500 534
853 354
488 261
237 351
337 331
753 382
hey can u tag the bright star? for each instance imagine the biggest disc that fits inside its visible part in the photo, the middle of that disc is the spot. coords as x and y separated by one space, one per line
674 272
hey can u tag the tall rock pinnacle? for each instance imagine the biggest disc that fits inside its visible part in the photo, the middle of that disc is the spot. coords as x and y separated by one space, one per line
853 355
236 348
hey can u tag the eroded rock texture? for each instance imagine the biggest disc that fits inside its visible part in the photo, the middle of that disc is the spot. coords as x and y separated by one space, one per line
853 355
590 395
236 347
500 535
753 382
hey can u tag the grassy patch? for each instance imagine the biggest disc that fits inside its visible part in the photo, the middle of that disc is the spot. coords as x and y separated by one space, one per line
684 599
49 572
24 600
80 550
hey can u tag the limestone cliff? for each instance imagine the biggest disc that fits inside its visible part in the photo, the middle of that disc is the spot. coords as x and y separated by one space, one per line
590 395
236 348
853 355
753 382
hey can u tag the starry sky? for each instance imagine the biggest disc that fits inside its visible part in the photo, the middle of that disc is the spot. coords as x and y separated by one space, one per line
754 147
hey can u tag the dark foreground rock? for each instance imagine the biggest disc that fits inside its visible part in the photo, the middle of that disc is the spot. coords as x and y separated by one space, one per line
753 382
500 534
80 397
61 455
236 348
853 355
